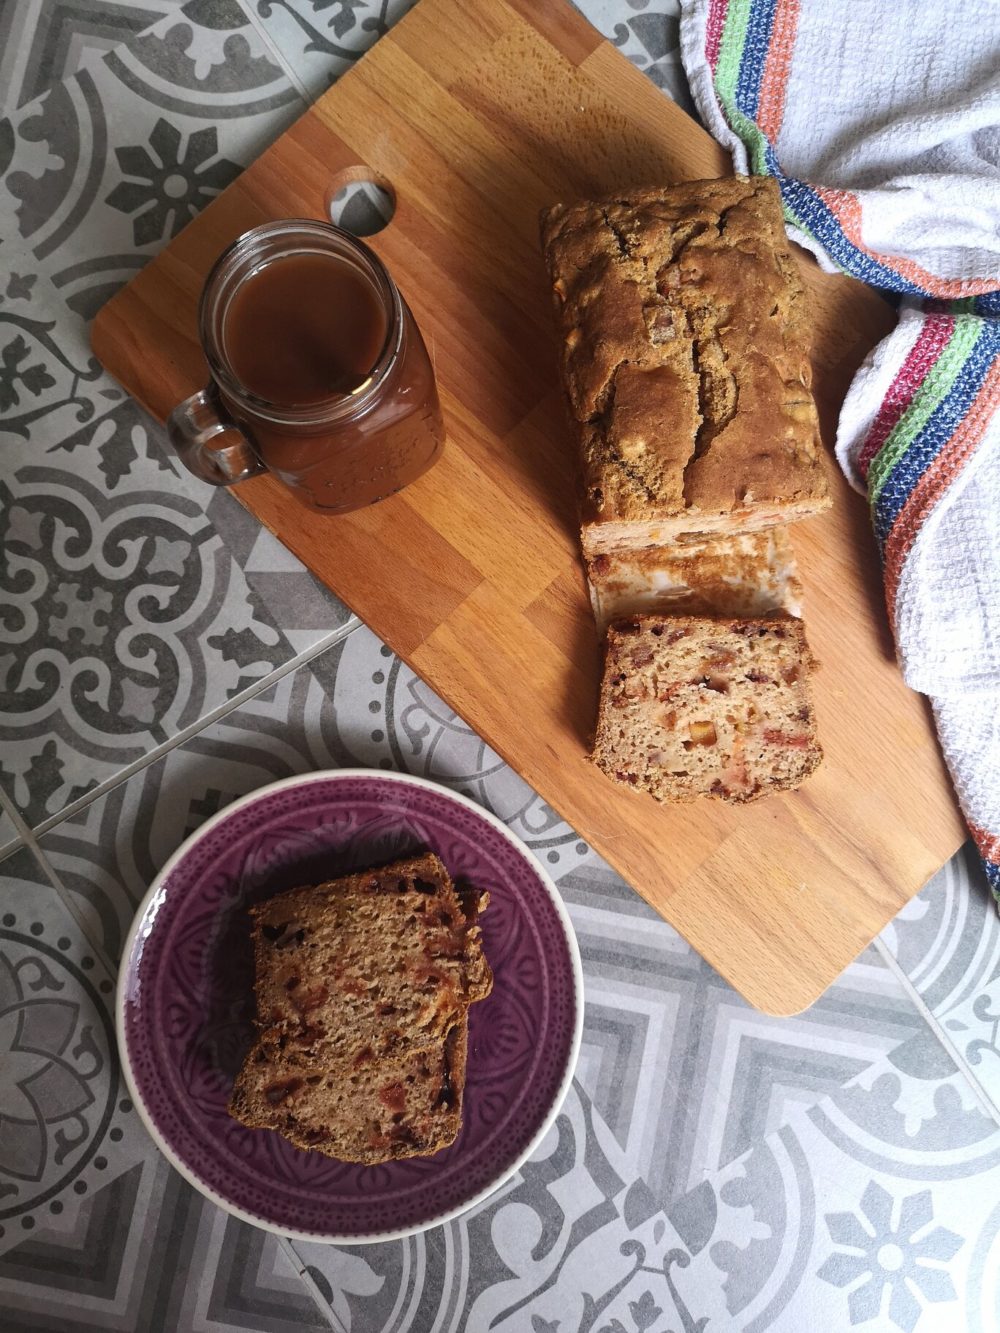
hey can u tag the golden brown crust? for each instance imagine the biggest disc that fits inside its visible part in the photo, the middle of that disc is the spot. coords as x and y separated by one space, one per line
685 361
363 986
707 706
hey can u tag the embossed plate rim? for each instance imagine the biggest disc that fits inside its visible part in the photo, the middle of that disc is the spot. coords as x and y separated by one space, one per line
156 889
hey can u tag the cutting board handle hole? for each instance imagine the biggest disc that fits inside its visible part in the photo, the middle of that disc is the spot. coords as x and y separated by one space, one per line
360 200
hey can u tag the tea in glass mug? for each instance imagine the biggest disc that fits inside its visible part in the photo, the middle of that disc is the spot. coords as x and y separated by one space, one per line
319 374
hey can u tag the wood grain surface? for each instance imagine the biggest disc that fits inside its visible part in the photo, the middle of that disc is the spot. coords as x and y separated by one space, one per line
478 113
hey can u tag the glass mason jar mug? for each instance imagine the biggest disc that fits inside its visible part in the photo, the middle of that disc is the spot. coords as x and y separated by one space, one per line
318 372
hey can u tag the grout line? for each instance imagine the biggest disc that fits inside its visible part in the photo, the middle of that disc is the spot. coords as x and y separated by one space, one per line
982 1095
29 837
67 899
69 902
308 1281
9 848
17 819
257 23
193 728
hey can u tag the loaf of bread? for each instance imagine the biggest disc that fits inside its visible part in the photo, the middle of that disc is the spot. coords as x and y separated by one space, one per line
751 574
701 706
684 362
363 987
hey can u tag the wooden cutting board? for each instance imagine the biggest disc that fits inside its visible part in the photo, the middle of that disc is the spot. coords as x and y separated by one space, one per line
477 113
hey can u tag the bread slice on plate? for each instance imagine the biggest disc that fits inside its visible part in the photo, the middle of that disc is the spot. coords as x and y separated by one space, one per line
363 988
707 706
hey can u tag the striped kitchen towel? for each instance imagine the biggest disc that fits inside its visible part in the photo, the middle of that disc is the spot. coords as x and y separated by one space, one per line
880 120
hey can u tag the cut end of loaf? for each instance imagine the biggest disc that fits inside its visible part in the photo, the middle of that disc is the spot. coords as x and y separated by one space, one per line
750 574
610 536
363 987
705 706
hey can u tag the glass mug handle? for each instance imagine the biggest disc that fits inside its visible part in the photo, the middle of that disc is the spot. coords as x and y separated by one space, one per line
197 421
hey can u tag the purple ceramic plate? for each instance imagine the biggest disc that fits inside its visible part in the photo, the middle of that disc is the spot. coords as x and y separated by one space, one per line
185 1003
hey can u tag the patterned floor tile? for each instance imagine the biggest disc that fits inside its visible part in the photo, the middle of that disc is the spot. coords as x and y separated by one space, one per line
96 1231
572 1242
947 941
306 610
64 1114
647 32
318 40
685 1073
354 705
43 43
875 1208
107 166
146 1252
123 616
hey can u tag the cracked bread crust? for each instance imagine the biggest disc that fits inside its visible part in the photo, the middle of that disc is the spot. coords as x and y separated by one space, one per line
685 362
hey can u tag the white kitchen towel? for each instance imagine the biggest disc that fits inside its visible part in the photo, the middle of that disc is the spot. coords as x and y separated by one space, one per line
880 120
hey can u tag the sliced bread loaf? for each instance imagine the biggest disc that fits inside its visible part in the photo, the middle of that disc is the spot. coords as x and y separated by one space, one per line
697 705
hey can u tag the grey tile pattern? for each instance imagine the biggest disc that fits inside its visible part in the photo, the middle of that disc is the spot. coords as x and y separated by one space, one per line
306 610
237 1277
570 1242
354 705
658 1018
123 617
867 1208
108 165
947 941
318 40
96 1231
44 43
180 1264
712 1168
61 1083
845 1214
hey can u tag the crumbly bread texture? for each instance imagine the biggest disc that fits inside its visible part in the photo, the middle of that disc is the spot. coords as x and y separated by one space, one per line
363 987
685 362
753 574
700 706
